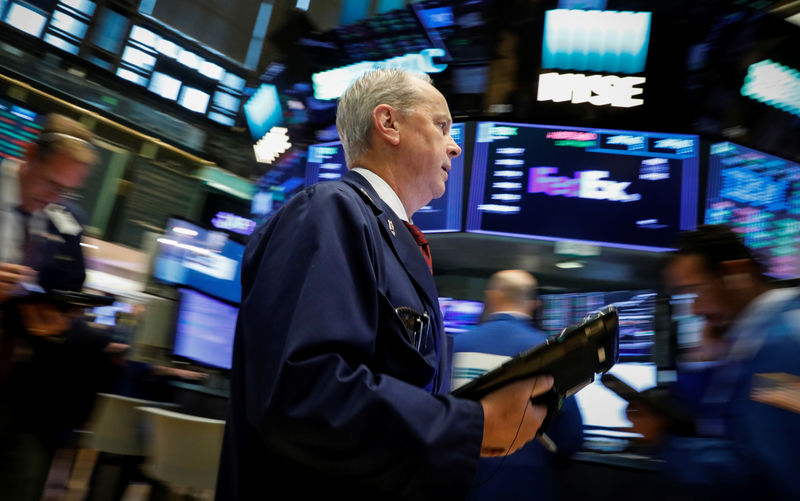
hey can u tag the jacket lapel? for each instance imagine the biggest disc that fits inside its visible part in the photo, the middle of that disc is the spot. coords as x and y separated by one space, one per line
399 240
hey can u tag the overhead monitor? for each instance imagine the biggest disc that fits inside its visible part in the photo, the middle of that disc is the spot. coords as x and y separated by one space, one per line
206 260
263 111
204 329
18 127
326 162
617 188
759 195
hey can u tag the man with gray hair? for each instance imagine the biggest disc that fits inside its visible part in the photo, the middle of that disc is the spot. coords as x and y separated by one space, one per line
507 330
341 369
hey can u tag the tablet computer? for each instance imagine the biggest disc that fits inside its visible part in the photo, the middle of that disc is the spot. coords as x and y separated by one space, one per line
572 357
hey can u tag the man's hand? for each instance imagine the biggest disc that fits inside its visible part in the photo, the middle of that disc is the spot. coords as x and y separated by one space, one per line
648 424
510 420
44 319
11 275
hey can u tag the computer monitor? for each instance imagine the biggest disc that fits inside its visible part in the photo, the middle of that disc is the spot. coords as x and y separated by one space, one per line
207 260
326 162
603 411
204 329
637 312
758 195
626 189
460 315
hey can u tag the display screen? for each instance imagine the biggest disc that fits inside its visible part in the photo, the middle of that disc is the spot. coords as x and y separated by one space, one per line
759 195
206 260
460 315
602 410
18 128
205 329
617 188
636 309
279 185
326 162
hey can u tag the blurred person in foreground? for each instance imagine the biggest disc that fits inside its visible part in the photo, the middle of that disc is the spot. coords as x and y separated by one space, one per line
744 448
40 369
341 365
507 330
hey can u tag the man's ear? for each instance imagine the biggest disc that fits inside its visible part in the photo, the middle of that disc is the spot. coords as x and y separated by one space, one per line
384 121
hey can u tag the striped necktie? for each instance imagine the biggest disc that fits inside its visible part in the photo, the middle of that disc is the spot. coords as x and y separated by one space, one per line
419 237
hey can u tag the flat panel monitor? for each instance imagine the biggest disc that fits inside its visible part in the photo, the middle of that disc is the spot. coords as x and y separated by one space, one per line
637 311
204 329
617 188
326 162
759 195
279 185
206 260
603 411
18 127
460 315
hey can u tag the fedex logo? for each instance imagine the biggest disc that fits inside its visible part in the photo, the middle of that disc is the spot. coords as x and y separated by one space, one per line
586 184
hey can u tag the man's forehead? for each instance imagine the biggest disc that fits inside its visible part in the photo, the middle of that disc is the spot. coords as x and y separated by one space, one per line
687 267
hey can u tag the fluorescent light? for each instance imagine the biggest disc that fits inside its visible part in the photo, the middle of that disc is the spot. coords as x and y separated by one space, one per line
184 231
89 246
568 265
270 147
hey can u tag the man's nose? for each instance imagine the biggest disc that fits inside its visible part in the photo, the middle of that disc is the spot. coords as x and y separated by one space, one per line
453 149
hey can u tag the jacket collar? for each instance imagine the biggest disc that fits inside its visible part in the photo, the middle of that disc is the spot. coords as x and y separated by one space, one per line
397 237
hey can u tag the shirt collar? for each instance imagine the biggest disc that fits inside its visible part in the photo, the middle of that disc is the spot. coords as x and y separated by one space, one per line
516 314
384 191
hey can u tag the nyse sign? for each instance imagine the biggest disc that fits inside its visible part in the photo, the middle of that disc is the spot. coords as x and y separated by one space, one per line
599 90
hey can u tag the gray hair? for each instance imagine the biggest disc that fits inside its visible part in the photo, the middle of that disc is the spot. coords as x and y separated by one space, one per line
390 86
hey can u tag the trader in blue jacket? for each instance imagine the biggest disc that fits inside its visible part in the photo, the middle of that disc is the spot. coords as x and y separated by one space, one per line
530 474
43 359
340 372
746 445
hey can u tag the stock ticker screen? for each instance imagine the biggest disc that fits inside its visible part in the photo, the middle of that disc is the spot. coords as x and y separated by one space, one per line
618 188
18 127
326 162
759 195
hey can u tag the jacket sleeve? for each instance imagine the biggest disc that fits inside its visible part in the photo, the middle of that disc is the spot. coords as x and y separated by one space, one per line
309 323
759 451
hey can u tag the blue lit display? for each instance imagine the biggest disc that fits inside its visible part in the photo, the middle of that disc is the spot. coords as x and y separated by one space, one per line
26 19
331 84
619 188
596 40
439 17
205 329
263 111
759 195
326 162
164 85
773 84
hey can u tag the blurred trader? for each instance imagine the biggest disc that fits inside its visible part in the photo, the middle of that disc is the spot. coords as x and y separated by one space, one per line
341 365
745 448
39 244
510 301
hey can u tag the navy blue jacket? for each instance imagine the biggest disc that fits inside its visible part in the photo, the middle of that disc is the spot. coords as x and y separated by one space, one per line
329 397
528 474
